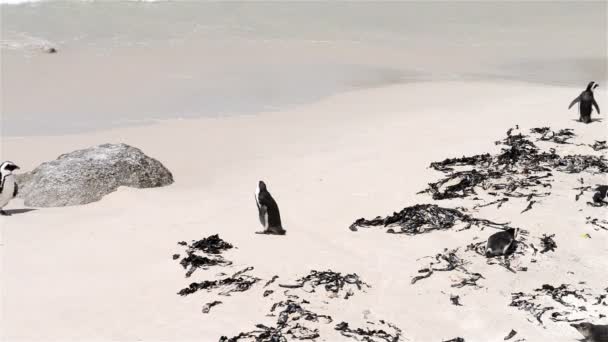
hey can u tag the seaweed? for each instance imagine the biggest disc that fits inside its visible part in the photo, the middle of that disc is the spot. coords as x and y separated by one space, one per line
193 262
455 300
599 145
521 169
560 137
449 261
287 326
212 245
332 282
238 282
562 301
510 335
207 307
455 339
547 243
370 335
422 218
598 223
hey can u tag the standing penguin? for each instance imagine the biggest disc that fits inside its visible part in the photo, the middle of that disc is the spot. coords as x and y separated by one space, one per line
8 184
586 101
268 211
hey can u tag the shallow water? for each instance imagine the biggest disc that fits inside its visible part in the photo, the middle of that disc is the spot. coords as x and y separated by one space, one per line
125 63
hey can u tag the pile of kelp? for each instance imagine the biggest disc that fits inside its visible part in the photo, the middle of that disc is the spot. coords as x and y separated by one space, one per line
563 303
423 218
211 247
520 170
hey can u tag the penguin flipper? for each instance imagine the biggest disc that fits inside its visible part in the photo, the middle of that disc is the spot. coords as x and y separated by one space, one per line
596 106
263 213
16 191
578 99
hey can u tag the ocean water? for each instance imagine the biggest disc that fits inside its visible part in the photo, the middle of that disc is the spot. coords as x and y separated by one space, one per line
133 62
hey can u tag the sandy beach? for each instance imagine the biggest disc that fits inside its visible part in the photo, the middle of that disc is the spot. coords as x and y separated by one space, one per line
104 270
342 120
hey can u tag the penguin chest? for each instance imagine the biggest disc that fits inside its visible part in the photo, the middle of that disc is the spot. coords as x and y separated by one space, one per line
7 190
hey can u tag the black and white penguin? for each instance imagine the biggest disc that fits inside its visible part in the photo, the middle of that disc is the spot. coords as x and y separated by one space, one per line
586 103
268 211
601 192
592 332
500 243
8 184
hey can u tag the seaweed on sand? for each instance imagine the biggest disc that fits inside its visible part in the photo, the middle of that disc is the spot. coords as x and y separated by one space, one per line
564 302
598 223
332 282
422 218
560 137
238 282
449 261
521 169
371 335
289 325
213 246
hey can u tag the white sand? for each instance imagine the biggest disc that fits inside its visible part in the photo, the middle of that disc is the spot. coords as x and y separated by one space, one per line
104 271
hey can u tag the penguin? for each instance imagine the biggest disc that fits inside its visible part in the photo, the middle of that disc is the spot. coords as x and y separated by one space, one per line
586 102
8 184
500 243
592 332
600 194
268 211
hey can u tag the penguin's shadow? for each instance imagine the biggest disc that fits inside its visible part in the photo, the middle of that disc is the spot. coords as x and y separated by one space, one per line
592 120
11 212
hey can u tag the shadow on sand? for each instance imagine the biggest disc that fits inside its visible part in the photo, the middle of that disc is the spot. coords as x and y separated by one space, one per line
10 212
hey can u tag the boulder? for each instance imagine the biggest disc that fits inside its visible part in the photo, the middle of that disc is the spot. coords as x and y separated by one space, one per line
85 176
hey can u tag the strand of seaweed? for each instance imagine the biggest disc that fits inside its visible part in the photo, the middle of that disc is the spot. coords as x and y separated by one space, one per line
599 223
369 334
450 261
333 282
422 218
520 170
238 282
566 304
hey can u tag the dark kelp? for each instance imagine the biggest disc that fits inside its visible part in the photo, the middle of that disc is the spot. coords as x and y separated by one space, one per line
565 303
371 335
450 261
333 282
238 282
291 324
520 170
422 218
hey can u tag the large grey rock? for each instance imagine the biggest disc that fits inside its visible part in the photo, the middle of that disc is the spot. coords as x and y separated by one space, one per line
85 176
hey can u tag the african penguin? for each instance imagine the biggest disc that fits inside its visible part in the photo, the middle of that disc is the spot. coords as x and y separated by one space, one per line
592 332
586 101
500 243
8 185
600 194
268 211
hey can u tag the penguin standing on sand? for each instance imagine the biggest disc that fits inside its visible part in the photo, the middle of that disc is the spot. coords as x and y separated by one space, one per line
8 184
500 243
268 211
586 103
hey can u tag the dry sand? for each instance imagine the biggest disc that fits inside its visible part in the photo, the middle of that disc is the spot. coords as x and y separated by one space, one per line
104 271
